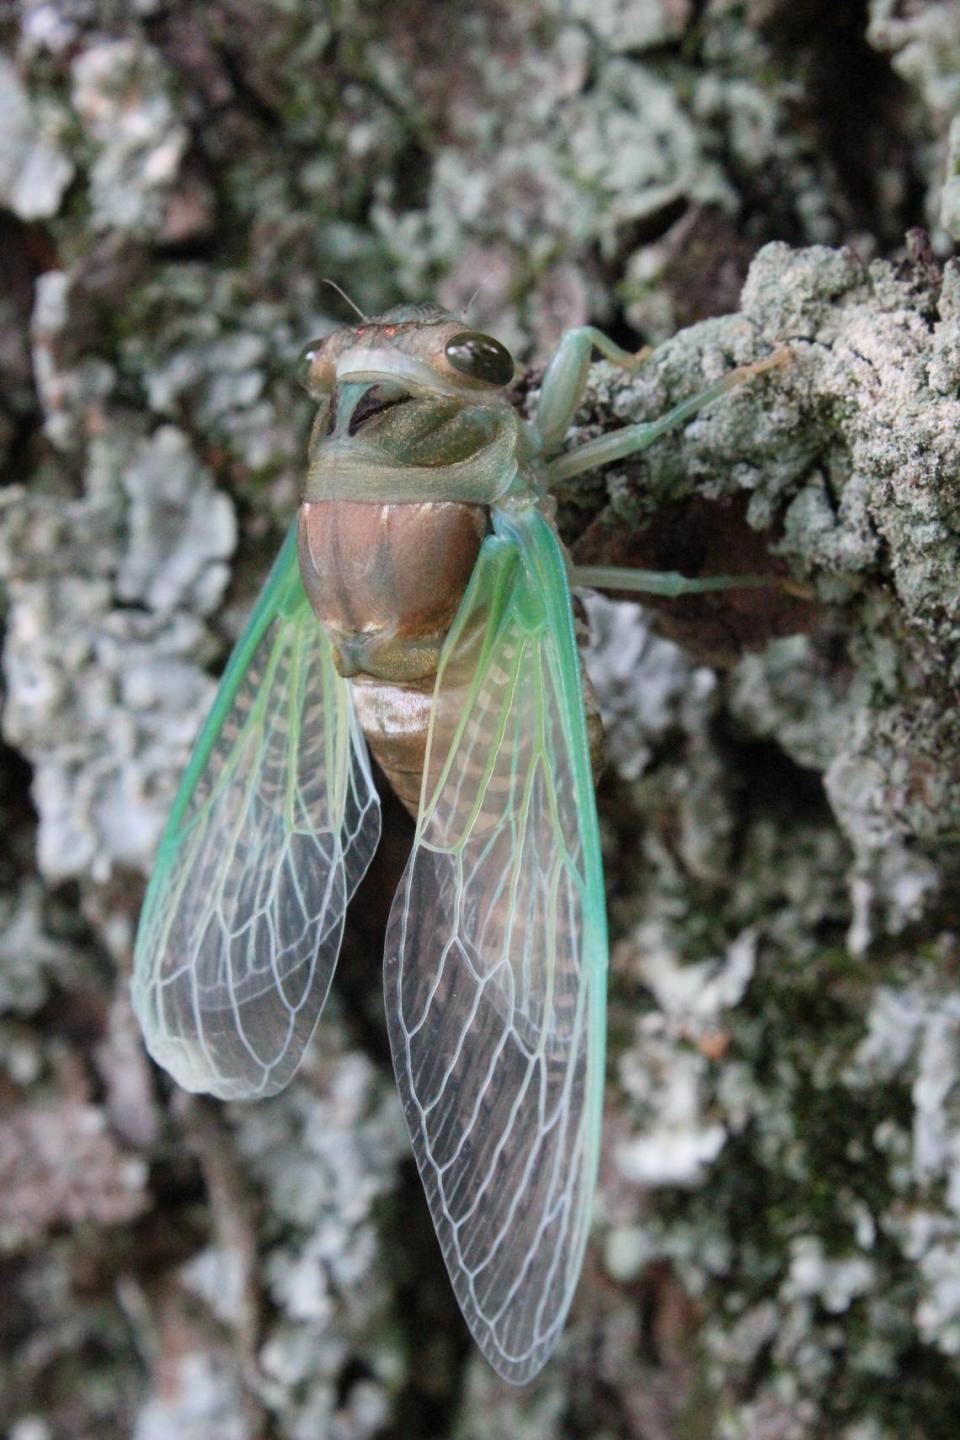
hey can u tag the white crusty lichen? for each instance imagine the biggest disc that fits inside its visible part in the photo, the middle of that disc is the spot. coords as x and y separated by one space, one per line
35 167
104 649
181 529
122 93
642 680
923 43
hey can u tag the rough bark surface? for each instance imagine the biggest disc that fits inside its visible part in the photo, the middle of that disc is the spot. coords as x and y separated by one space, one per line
777 1244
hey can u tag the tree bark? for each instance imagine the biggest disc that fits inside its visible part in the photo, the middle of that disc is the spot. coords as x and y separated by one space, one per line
776 1253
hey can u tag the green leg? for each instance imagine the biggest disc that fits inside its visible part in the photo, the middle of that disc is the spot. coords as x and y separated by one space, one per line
632 438
561 392
668 583
565 380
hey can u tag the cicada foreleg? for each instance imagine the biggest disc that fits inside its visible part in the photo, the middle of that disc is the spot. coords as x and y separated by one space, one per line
561 392
631 439
565 380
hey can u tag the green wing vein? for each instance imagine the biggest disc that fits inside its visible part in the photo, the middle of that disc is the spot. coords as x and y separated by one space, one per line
496 954
274 824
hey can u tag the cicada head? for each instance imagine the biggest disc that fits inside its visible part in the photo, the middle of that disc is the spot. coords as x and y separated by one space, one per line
422 349
414 439
410 390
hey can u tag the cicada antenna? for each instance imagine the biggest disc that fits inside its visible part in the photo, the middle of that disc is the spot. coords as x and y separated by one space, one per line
469 305
341 292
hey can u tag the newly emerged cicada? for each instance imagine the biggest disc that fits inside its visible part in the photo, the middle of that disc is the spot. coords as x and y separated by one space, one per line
421 606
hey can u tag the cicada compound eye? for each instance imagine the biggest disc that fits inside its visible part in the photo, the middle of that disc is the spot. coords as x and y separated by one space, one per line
313 380
480 357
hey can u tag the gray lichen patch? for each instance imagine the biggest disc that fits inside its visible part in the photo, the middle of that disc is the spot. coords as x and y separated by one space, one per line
325 1158
122 94
34 166
104 697
923 43
182 531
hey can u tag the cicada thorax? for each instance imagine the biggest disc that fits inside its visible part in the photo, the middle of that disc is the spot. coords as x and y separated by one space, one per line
386 581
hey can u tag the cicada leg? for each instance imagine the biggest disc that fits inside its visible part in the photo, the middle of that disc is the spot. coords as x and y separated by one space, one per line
562 390
633 438
668 583
565 380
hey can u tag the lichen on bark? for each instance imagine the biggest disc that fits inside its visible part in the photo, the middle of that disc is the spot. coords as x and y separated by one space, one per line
776 1248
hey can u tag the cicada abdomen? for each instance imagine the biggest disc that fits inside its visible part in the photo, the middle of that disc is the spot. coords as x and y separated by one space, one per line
385 582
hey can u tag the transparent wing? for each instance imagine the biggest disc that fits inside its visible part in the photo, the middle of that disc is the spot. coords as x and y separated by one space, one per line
272 829
496 955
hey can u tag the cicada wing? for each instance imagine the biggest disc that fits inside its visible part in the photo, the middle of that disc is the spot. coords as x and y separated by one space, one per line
274 824
496 955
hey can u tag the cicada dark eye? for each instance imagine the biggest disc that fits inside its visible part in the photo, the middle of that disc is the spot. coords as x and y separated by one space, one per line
305 364
481 357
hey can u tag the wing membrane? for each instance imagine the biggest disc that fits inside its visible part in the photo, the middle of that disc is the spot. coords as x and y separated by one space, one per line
273 827
496 955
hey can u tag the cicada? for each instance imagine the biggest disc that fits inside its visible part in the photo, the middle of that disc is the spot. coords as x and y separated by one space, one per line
420 609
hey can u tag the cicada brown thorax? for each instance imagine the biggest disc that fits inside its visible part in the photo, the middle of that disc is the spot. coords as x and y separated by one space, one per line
386 581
